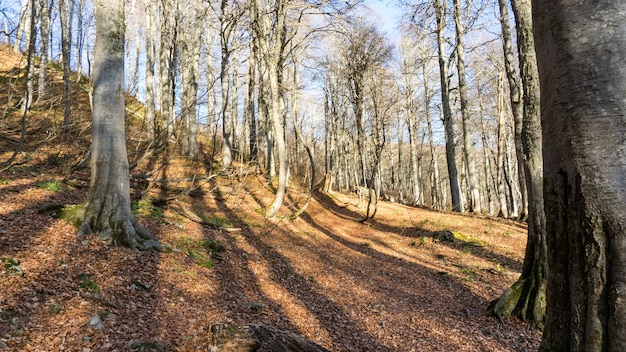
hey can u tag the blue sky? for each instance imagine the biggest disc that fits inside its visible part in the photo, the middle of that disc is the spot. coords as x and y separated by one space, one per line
389 13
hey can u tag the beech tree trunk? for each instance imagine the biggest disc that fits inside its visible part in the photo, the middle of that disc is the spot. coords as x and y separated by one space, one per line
515 96
23 26
472 177
226 31
527 297
455 190
44 25
150 117
107 210
581 53
504 209
65 53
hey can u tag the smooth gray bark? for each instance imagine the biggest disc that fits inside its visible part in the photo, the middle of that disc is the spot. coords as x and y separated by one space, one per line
44 25
472 178
65 53
581 54
150 117
107 210
527 297
455 190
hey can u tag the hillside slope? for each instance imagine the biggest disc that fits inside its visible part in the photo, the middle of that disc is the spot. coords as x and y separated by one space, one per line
386 285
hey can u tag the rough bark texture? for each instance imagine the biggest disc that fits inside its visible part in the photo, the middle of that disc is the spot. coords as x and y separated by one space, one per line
580 46
107 209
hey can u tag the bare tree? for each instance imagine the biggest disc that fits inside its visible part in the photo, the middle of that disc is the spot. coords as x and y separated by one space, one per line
468 147
107 209
526 297
150 118
65 53
364 51
455 190
44 25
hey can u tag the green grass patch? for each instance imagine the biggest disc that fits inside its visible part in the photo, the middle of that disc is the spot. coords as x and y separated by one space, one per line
53 186
144 208
217 221
469 240
469 273
87 284
203 252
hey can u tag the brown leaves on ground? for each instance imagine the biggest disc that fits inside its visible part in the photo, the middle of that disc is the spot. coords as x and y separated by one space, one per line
384 285
390 284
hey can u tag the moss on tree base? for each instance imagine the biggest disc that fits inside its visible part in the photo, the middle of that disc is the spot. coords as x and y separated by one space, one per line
526 299
116 230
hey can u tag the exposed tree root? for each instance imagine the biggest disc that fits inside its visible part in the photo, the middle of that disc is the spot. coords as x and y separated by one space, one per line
525 299
117 229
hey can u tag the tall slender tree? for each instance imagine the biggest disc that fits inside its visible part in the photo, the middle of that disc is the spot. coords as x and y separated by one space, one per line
468 147
526 297
455 190
65 53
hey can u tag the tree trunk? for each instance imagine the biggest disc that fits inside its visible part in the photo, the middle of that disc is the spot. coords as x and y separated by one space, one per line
472 178
150 117
107 209
527 297
65 53
189 77
44 25
504 209
80 40
226 84
580 46
250 107
270 31
166 126
23 26
515 96
412 126
455 190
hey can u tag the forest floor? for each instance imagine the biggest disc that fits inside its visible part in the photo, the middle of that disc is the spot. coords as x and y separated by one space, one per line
388 284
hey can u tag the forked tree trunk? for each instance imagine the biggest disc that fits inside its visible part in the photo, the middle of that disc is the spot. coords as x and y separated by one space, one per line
581 47
107 209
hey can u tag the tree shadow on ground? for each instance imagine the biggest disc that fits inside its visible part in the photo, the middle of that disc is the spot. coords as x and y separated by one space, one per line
416 231
339 326
396 285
